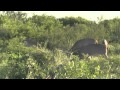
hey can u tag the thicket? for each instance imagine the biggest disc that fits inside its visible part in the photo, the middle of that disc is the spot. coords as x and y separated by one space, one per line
36 47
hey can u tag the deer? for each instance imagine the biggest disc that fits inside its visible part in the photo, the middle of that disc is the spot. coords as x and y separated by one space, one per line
83 42
93 50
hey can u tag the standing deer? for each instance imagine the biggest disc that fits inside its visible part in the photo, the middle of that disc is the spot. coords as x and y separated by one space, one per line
83 42
93 50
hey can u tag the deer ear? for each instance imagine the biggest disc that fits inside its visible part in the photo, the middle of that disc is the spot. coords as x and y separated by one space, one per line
105 42
96 41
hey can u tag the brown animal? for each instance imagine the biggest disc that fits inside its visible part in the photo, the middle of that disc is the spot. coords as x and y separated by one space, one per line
83 42
93 50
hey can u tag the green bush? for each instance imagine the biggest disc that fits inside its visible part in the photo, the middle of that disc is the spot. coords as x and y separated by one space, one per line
50 57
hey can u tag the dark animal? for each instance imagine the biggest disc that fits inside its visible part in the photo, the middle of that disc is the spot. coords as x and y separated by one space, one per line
93 50
83 42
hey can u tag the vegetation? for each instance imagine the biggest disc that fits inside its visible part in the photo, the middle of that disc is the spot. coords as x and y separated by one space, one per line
48 58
